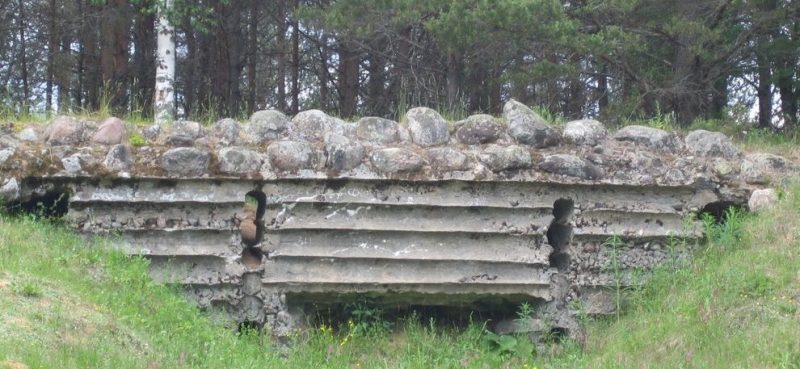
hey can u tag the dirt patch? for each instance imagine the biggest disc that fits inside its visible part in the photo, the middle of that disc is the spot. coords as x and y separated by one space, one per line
12 365
4 284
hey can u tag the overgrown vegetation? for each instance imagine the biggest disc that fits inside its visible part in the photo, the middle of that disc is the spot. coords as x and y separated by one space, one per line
70 303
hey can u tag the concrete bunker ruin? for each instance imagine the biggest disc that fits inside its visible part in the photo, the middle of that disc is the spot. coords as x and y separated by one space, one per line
277 219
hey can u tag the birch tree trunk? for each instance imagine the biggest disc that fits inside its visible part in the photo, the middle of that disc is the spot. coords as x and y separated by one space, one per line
164 104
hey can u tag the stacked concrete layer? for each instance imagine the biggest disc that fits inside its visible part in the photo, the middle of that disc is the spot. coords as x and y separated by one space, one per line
443 242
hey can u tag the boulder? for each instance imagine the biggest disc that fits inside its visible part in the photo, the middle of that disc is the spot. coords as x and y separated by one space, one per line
447 159
761 200
313 124
266 125
185 162
184 133
119 159
65 131
498 158
28 134
9 190
239 160
152 132
653 138
570 165
110 132
378 130
394 160
585 132
478 129
527 127
760 168
6 153
290 156
226 131
72 164
342 153
427 127
712 144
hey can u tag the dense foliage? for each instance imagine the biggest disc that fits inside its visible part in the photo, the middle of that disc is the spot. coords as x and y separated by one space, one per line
613 59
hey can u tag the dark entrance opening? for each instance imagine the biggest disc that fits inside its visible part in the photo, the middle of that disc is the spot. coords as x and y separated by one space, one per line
53 204
719 210
252 226
559 233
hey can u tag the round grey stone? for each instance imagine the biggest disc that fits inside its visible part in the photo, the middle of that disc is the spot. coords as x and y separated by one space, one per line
184 133
119 158
447 159
227 131
313 125
28 134
714 144
570 165
394 160
10 190
499 158
380 130
72 164
239 160
527 127
290 156
478 129
6 153
266 125
760 168
654 138
342 153
185 161
427 127
585 132
761 200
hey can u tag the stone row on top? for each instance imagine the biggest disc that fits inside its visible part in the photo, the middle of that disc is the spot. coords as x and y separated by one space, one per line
422 126
270 142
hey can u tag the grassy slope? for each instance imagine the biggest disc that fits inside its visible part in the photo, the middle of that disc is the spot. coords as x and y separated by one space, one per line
68 303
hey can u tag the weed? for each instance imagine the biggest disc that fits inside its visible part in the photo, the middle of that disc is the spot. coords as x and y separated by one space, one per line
136 139
366 319
614 244
27 289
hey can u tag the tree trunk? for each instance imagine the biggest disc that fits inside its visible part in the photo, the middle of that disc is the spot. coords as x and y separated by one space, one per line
64 76
281 55
115 27
252 57
143 61
454 72
164 104
576 97
23 58
190 70
375 84
324 92
348 79
295 60
764 92
602 89
52 46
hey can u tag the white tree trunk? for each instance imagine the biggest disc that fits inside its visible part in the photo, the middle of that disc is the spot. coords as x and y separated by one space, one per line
165 68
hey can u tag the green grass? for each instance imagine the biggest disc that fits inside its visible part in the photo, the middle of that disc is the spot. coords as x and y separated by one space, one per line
69 302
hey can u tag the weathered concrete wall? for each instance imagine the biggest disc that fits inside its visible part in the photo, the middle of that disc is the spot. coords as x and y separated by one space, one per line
486 211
